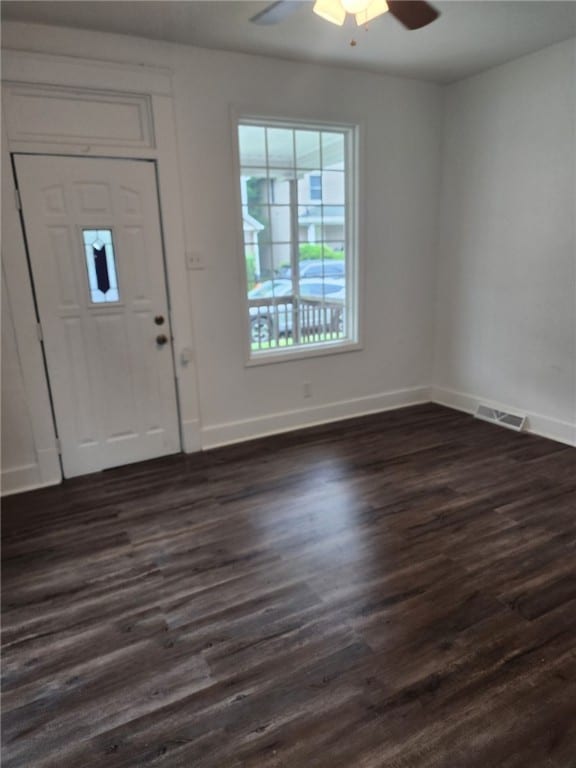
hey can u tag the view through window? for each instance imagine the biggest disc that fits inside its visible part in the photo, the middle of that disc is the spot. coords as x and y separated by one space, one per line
295 186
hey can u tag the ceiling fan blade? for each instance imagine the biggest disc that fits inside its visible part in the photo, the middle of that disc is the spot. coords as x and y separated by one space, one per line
275 12
413 14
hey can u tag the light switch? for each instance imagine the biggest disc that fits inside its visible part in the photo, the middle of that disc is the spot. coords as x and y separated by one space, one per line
186 356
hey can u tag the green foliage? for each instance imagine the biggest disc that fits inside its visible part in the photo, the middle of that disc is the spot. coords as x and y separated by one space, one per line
256 199
251 270
314 251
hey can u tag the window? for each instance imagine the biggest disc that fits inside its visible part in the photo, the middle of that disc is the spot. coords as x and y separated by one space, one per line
298 219
100 262
316 186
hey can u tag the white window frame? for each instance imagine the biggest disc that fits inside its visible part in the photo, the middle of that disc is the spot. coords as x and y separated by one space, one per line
353 342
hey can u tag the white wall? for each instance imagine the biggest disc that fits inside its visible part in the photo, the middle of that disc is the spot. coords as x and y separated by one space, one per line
401 123
18 451
29 454
503 291
506 300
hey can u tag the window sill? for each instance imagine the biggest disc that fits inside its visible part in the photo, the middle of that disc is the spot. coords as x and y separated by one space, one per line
299 353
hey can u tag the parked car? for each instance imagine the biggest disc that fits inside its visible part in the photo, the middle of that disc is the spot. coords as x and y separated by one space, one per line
321 308
308 268
271 288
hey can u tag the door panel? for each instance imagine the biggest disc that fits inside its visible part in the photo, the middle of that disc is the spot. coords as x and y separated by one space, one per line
95 248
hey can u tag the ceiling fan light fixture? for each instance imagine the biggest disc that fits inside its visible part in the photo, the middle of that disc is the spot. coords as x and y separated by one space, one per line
354 6
331 10
373 9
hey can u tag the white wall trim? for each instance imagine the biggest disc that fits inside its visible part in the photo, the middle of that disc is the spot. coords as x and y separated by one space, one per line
19 292
49 466
74 72
249 429
76 77
538 424
37 114
191 436
25 478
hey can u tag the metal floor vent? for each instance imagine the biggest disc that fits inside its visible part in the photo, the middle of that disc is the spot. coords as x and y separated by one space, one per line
504 419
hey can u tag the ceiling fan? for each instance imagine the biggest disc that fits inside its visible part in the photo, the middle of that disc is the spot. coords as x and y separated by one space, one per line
413 14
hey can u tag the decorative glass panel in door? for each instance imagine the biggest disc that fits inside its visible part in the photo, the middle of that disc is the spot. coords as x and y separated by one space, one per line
101 264
90 223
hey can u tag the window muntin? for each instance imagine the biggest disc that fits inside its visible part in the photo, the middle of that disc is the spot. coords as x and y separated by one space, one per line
294 229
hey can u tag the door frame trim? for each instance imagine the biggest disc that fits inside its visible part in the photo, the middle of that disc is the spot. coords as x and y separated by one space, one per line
79 79
13 161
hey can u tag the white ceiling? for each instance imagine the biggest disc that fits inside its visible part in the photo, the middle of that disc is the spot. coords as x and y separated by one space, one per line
469 37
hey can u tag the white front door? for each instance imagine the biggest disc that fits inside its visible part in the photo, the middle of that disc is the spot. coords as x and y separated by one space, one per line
95 245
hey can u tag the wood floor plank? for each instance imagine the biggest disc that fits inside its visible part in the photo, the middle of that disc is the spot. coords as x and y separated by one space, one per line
394 591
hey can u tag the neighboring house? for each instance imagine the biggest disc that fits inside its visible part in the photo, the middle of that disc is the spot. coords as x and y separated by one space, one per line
320 197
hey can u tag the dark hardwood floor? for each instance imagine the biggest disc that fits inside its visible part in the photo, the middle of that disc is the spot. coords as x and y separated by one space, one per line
397 591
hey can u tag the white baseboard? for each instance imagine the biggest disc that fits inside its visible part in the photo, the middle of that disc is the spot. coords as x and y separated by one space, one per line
47 472
561 431
26 478
30 477
287 421
49 466
191 437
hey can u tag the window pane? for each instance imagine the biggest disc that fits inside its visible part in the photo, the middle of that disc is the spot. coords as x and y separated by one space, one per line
281 254
312 268
333 231
271 309
101 266
333 153
335 269
320 223
257 229
252 141
322 269
281 147
308 150
271 288
333 187
280 185
334 252
255 190
296 187
315 182
252 258
280 223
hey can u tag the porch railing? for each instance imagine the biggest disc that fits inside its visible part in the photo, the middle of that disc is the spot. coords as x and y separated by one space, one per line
294 320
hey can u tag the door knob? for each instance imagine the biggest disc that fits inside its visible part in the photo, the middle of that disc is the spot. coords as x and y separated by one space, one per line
161 339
